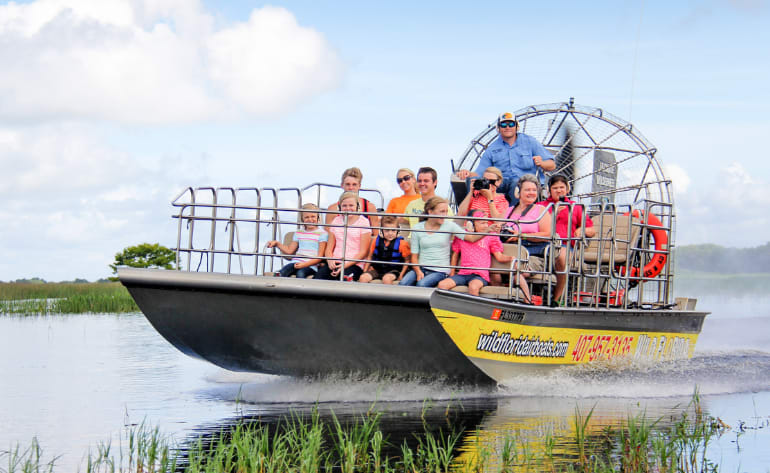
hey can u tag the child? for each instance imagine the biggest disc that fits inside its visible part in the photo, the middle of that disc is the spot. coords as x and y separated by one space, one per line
390 251
308 244
351 232
477 255
431 242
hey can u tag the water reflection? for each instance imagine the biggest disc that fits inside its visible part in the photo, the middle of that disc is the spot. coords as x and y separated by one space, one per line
75 381
483 425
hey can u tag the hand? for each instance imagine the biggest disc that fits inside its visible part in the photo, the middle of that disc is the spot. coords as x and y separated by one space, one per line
420 275
495 227
299 265
468 226
272 243
452 272
538 161
487 194
512 239
463 173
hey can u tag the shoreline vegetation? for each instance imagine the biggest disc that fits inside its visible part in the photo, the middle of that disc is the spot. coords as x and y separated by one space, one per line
718 259
308 443
40 298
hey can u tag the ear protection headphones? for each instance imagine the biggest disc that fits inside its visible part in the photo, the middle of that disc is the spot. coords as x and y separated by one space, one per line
358 204
517 190
559 178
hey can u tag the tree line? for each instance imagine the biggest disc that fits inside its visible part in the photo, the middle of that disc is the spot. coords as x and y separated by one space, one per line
719 259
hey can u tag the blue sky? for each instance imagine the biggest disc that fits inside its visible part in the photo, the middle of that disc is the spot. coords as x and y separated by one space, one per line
109 108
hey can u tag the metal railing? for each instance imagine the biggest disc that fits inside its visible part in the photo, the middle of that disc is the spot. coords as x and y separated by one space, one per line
228 228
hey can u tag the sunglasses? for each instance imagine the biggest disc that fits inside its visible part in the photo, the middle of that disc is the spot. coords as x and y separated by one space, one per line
508 125
406 178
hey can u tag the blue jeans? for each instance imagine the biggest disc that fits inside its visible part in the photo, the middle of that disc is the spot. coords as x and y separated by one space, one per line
289 270
535 248
507 189
431 279
324 272
464 279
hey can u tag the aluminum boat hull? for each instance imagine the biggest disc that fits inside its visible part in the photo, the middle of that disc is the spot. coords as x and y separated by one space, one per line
300 327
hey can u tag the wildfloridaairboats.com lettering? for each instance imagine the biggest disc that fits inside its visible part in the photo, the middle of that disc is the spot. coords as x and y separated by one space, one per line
503 343
589 347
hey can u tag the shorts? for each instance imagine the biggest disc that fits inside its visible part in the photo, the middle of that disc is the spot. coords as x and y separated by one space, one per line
464 279
535 248
376 274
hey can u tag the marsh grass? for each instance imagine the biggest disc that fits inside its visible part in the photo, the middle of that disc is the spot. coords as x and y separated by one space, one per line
64 298
307 444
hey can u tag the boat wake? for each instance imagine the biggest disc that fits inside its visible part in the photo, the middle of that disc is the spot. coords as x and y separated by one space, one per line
265 389
716 372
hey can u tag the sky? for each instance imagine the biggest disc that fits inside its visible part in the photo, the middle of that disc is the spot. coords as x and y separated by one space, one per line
110 108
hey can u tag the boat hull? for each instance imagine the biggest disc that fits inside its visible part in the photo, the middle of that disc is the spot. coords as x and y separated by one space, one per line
507 339
300 327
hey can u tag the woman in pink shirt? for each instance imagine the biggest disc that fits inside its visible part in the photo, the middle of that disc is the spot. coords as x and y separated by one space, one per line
351 232
537 232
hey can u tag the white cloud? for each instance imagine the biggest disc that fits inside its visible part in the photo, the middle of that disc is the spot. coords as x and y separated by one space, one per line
270 52
723 209
155 62
65 192
679 176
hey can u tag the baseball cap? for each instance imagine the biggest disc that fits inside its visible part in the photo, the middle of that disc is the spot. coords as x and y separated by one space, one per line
506 117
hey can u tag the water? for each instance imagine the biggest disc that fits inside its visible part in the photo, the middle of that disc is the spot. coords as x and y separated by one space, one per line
75 381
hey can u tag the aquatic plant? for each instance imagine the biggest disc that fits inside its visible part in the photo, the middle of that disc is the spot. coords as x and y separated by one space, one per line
307 444
64 298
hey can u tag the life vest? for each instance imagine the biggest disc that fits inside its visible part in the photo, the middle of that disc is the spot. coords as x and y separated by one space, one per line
387 256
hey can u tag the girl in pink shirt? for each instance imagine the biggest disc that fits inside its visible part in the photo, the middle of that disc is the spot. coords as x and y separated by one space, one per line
351 232
477 255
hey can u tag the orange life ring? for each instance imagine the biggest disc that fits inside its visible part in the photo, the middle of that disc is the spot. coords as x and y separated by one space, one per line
655 266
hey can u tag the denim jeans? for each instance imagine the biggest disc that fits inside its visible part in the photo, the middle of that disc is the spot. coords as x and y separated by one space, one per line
464 279
289 270
431 279
324 272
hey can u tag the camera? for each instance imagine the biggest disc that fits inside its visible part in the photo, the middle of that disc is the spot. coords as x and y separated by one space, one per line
480 184
507 231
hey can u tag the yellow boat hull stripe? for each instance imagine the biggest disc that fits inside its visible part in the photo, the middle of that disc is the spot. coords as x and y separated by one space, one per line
516 343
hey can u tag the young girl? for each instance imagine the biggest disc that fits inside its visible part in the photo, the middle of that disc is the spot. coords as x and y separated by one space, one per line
478 255
309 244
351 232
430 249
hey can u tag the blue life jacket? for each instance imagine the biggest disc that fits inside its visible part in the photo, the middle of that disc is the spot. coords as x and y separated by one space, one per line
387 257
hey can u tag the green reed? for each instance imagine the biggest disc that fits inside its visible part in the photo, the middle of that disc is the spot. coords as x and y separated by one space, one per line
64 298
306 444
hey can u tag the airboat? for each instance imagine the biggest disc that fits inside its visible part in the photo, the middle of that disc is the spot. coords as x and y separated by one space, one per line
224 304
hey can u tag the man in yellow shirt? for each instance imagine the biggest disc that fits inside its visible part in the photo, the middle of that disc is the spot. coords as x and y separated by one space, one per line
427 180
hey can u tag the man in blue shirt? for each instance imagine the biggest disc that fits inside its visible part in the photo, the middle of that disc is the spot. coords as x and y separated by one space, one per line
515 154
